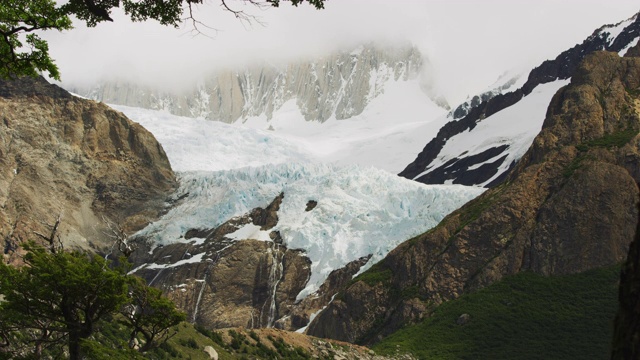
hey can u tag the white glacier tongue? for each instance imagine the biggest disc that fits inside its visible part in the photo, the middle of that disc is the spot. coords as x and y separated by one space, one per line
360 211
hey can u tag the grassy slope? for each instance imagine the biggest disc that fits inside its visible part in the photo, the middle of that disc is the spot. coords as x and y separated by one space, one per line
526 316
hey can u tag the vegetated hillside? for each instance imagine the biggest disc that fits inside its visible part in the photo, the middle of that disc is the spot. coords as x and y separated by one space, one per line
198 343
569 206
77 159
524 316
489 133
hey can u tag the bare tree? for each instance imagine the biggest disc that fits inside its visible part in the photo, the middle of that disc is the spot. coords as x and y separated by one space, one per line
119 236
53 239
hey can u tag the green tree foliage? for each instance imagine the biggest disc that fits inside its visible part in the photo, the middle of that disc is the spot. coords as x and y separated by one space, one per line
55 302
23 52
149 314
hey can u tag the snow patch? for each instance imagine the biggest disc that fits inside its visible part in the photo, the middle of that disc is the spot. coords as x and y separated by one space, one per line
192 260
633 43
249 231
615 30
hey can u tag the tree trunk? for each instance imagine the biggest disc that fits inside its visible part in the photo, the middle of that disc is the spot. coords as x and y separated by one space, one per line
74 345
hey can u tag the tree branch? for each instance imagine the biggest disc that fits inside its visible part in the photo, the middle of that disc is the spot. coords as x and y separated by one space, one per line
54 246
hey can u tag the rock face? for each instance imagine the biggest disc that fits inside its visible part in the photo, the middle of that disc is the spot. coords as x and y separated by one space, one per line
61 155
626 338
222 281
570 205
474 168
338 85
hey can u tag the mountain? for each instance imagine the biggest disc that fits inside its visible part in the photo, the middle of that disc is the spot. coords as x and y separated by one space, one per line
569 205
489 133
75 160
336 86
269 244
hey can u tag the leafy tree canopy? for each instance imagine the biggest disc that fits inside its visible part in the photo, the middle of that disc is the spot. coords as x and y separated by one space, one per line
56 302
23 52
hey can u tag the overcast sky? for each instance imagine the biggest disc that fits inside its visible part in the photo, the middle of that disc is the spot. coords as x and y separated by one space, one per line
470 43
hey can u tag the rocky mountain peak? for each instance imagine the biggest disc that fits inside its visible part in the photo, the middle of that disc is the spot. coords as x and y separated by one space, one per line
338 85
489 165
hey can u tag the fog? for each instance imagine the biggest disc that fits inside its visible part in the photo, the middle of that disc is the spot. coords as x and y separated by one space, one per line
469 43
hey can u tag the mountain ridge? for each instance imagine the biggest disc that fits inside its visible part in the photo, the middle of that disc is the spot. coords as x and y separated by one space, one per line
568 206
77 162
432 166
339 85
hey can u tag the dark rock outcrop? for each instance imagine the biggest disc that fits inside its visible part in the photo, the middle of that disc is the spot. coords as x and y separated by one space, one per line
626 337
223 281
300 314
62 155
568 206
466 117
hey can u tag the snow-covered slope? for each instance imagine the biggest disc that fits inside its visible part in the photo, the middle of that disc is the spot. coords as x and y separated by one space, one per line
228 170
496 142
197 144
487 134
388 134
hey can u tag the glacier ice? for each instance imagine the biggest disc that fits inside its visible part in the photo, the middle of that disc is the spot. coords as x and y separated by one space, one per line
227 170
360 211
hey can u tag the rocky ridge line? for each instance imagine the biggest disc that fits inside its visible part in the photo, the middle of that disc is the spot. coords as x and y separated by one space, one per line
466 116
339 85
568 206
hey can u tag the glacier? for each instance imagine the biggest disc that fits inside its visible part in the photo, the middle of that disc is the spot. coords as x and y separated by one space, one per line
227 170
360 211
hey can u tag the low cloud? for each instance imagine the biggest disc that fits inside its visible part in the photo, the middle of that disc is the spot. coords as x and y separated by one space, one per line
469 43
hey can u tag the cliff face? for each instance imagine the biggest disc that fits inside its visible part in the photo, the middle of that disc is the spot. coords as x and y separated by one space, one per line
221 280
338 85
569 206
74 158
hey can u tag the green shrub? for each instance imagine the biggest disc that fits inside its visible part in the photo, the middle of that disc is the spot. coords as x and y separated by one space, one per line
190 343
213 335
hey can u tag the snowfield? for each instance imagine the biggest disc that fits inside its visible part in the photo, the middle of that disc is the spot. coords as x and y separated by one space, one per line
388 134
516 126
227 170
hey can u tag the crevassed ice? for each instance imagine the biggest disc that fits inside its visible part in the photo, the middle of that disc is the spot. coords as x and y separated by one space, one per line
360 211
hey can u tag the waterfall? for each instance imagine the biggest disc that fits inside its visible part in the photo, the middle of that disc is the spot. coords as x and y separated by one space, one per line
276 272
